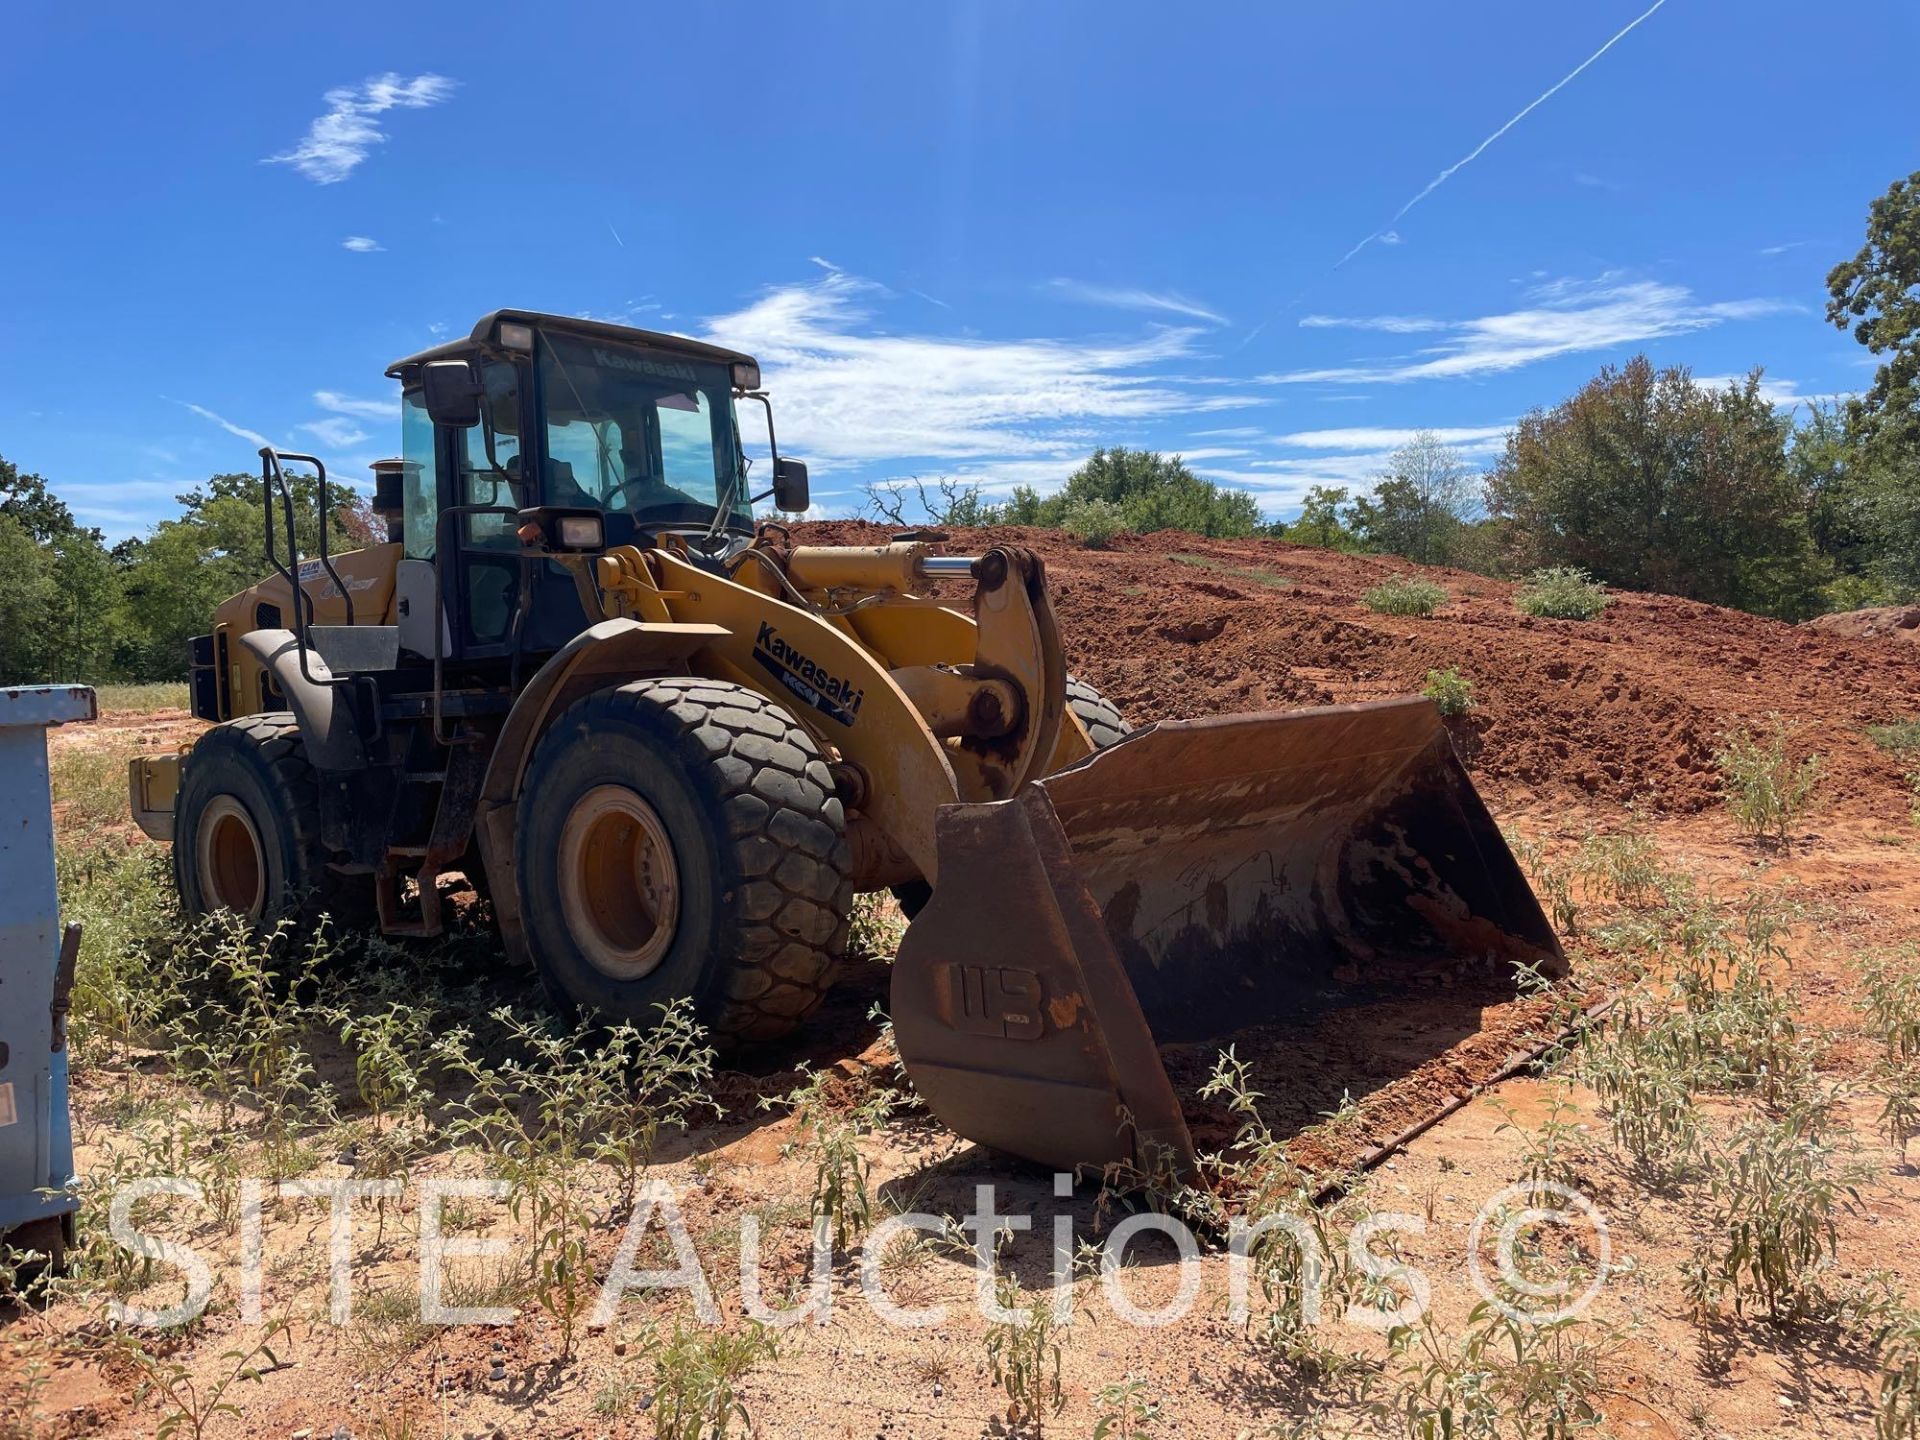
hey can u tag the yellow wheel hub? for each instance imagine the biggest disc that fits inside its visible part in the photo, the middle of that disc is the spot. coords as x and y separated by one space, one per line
231 863
619 886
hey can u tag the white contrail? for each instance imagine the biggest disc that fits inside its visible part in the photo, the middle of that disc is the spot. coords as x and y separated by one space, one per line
1478 150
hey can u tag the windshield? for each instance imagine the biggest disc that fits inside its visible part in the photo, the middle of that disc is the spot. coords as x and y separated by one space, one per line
639 432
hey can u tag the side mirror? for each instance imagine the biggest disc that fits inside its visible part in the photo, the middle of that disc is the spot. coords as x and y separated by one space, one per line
790 485
452 392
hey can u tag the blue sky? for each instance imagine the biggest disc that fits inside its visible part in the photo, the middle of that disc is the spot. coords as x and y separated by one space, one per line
967 239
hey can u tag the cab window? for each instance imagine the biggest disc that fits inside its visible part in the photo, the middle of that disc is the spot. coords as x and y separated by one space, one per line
420 480
480 482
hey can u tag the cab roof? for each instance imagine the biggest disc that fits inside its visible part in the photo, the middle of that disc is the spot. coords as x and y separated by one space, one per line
483 337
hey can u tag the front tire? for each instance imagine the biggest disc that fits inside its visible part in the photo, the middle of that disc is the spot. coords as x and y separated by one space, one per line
681 837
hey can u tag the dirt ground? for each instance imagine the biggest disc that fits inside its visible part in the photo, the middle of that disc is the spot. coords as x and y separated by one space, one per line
1577 728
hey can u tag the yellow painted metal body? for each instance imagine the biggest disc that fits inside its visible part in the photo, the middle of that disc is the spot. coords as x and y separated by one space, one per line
918 703
153 785
368 576
858 681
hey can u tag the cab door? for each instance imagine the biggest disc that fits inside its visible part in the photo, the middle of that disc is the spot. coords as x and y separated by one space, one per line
457 517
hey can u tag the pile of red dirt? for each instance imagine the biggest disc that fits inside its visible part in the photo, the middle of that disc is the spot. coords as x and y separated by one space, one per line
1876 622
1629 706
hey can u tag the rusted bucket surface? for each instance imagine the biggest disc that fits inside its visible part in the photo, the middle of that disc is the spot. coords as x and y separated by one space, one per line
1194 881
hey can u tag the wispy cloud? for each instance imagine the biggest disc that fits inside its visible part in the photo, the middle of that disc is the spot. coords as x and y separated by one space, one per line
253 437
339 139
361 244
1570 317
1122 297
849 393
1391 324
349 405
1781 249
335 430
1382 437
1480 149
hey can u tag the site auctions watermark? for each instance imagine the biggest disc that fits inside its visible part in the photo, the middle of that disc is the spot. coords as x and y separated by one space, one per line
1511 1228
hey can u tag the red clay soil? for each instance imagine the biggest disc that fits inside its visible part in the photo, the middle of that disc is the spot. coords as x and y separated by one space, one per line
1381 1067
1889 622
1628 707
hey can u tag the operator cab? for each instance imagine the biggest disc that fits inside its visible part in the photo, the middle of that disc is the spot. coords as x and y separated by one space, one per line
580 420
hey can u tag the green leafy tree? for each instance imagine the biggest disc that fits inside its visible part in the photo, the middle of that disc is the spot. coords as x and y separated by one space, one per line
1150 490
175 577
1652 482
1876 294
1320 522
28 500
1865 459
1419 504
60 593
26 593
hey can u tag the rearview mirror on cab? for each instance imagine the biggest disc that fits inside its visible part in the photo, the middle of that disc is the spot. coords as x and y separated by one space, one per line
452 392
790 485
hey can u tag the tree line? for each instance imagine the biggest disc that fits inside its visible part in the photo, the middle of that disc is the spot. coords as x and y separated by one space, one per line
74 608
1644 477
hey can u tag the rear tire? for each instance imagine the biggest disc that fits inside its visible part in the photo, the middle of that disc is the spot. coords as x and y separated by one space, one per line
681 837
1104 726
247 830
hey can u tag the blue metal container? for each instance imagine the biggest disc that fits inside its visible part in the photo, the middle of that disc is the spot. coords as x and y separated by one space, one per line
36 975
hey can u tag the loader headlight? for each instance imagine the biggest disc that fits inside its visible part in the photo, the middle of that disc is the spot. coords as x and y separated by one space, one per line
515 336
576 532
746 374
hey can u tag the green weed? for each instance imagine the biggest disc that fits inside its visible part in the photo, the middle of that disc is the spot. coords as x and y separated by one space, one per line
1255 573
1023 1355
578 1096
876 926
1892 1001
1405 595
188 1406
1504 1376
1122 1411
696 1379
1562 593
1766 787
830 1126
1897 1414
1902 737
1775 1190
1094 523
1449 690
141 699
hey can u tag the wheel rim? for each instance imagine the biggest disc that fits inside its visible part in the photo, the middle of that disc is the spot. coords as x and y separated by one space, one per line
619 885
232 864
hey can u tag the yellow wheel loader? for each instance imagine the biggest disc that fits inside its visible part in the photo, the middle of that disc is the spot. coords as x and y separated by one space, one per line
671 745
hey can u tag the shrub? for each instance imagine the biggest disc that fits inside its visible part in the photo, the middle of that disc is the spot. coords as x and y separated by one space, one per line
1449 690
1405 595
1773 1237
1563 592
1023 1356
1898 1412
697 1375
1765 787
1902 737
1093 523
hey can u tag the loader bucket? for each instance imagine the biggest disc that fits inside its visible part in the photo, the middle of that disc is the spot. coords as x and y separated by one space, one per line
1199 881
